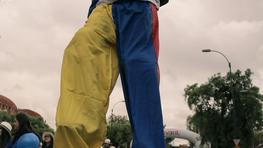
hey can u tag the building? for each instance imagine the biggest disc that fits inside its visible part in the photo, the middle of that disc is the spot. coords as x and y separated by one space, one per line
30 113
7 105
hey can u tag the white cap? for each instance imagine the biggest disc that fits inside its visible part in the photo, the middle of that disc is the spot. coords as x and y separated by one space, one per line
7 126
107 141
47 133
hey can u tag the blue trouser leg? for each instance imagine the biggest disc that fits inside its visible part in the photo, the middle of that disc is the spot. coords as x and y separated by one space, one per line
136 45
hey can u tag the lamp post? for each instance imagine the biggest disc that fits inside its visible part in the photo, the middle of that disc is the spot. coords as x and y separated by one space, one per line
228 62
231 91
114 107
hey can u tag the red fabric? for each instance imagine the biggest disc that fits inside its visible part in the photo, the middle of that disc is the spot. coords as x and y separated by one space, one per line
155 35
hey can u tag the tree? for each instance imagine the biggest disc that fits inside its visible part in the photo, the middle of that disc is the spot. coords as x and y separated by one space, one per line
226 107
4 116
119 131
40 126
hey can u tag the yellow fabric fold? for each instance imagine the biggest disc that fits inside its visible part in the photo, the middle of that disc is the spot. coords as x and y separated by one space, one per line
89 73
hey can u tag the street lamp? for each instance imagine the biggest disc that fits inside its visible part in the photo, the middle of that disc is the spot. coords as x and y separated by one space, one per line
210 50
112 113
235 101
114 107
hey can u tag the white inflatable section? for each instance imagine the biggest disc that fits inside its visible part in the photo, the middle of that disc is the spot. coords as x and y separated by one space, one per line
185 134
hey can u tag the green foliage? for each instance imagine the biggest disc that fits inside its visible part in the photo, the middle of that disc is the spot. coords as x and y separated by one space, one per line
119 131
38 124
226 107
4 116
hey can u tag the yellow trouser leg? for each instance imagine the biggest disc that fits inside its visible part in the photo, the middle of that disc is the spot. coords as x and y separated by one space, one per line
89 73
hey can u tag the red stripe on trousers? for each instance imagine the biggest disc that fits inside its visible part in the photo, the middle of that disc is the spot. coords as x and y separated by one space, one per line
155 35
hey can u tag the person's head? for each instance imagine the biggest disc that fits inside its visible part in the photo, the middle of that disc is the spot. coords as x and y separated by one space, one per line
5 133
5 129
107 143
48 138
23 126
22 122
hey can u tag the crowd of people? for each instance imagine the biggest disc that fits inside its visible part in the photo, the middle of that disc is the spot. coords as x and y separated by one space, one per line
23 135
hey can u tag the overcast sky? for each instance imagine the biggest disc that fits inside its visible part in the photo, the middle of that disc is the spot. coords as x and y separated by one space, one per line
34 34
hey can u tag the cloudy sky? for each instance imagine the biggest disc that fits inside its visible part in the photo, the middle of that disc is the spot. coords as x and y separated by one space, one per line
34 33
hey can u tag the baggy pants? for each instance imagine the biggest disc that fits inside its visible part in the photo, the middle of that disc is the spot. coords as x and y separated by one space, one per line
122 36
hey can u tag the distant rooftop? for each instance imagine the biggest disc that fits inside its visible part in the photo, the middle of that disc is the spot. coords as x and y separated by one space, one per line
9 106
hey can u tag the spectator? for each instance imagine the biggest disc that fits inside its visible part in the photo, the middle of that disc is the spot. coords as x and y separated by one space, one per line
107 143
24 137
5 134
48 139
